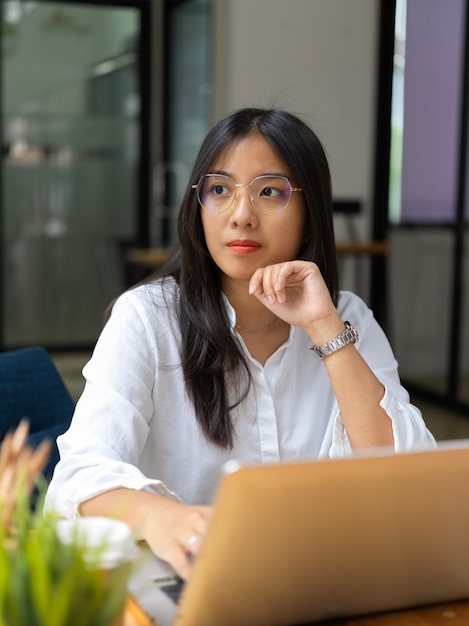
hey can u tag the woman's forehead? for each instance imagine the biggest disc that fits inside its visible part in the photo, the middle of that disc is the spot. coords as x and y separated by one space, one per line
253 153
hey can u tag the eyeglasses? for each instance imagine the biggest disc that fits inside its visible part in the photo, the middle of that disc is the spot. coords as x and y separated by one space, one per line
268 194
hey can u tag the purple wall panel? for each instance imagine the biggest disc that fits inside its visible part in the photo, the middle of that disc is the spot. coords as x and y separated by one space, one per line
432 91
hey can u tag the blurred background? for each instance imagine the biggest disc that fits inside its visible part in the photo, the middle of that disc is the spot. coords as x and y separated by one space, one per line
104 104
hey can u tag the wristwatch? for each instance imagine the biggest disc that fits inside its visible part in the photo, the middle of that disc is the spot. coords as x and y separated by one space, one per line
349 335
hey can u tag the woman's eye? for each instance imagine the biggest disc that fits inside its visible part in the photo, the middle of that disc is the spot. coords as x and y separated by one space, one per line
219 190
270 192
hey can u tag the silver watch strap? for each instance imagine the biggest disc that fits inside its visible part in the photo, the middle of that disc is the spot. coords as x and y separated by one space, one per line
349 335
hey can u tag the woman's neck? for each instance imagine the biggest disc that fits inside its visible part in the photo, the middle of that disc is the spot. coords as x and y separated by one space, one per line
262 332
250 313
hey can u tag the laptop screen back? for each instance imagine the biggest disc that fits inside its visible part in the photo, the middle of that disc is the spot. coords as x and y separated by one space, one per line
294 543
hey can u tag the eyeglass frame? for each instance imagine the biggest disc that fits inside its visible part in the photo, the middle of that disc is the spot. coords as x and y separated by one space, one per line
248 185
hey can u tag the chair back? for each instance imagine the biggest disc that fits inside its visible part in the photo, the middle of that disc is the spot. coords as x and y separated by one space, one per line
32 388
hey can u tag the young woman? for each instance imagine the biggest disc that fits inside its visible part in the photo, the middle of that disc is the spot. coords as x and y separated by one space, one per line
242 347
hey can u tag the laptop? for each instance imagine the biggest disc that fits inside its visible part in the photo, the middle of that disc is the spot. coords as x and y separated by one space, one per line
300 542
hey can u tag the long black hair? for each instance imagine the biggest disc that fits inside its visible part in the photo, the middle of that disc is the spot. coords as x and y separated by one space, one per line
215 369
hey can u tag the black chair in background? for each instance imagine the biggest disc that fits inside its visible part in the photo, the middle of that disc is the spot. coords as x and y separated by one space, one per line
32 388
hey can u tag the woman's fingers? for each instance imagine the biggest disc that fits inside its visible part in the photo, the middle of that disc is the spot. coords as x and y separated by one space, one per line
270 282
179 534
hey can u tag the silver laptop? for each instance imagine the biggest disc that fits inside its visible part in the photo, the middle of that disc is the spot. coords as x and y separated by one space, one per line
295 543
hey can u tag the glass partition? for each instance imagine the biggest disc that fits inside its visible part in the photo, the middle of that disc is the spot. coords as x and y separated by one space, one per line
188 90
71 171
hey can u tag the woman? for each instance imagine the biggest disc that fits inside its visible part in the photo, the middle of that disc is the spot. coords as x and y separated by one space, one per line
242 347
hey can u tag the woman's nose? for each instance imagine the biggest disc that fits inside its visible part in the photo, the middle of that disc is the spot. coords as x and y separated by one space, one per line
243 213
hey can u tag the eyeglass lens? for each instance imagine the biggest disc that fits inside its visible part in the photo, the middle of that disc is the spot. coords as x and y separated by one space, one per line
269 194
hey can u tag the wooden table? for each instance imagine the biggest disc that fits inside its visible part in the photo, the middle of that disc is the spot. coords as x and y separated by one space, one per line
450 614
363 248
378 252
134 616
153 258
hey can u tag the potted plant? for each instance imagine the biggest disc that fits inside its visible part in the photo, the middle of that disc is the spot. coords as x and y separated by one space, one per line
48 578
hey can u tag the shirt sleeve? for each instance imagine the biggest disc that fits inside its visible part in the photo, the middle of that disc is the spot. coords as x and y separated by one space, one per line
409 429
97 453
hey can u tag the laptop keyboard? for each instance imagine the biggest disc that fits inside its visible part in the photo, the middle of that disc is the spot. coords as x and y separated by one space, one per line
173 589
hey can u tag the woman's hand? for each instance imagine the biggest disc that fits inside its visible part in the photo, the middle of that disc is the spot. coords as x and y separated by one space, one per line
296 292
173 531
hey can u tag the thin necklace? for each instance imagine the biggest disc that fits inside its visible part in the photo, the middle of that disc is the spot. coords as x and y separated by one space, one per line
259 330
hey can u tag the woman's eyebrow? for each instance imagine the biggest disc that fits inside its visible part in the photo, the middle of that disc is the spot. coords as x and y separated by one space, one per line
221 172
225 173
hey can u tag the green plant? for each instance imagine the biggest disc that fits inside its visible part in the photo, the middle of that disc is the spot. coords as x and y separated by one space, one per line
44 582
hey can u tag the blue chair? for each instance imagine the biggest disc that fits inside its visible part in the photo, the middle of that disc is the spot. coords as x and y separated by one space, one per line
32 388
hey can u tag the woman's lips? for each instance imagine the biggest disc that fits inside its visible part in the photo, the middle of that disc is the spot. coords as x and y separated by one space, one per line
244 246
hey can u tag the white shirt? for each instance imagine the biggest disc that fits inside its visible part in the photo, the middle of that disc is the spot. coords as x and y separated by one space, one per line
135 427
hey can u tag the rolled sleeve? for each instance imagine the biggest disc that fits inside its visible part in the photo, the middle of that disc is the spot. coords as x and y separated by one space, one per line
408 427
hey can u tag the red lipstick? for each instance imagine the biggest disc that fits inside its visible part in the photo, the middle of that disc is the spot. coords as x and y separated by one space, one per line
244 246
